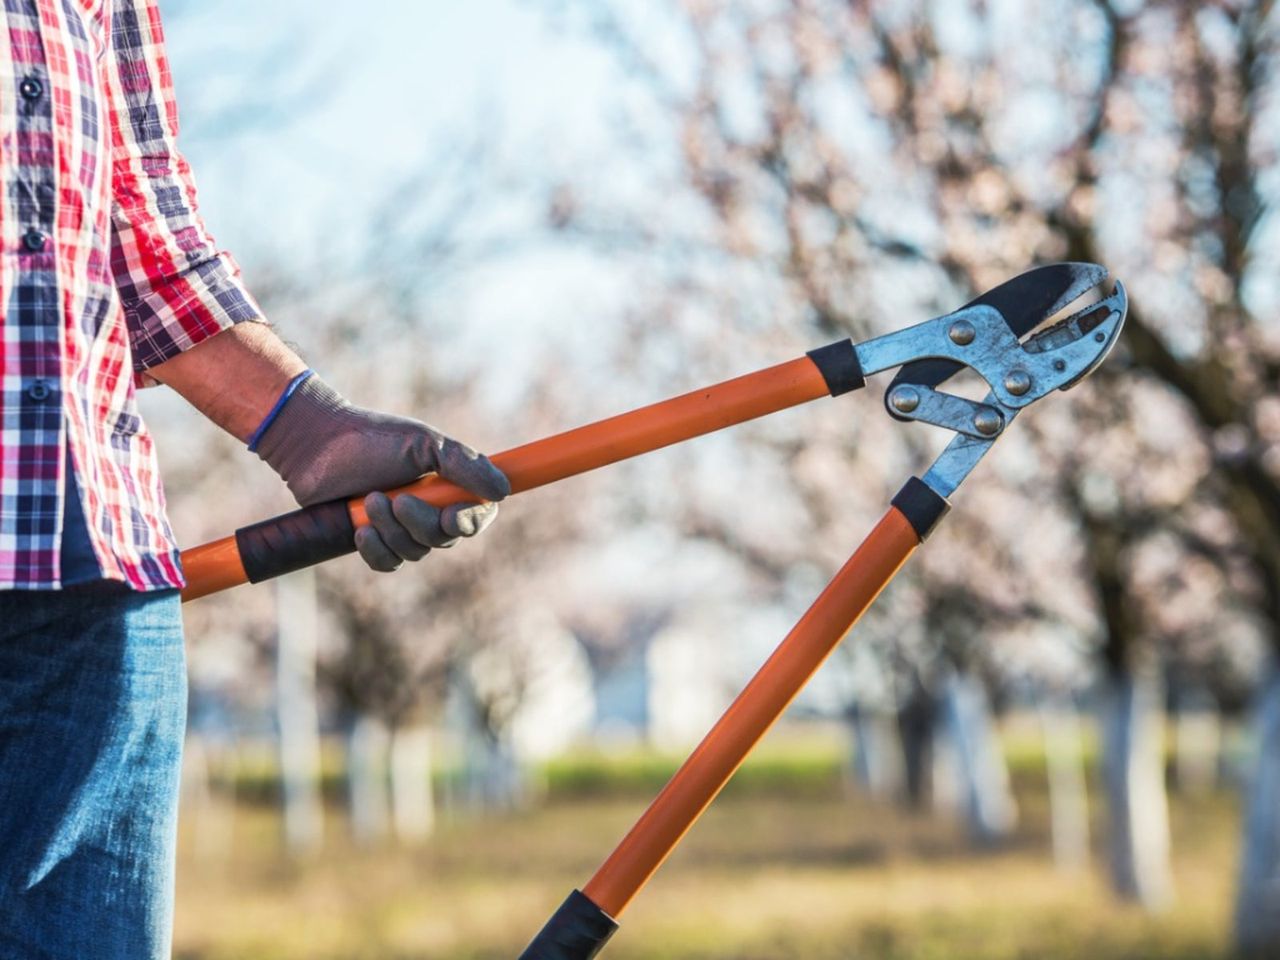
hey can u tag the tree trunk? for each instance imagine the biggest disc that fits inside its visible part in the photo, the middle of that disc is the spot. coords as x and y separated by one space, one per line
1068 797
214 817
366 778
1197 733
412 801
1133 773
296 715
877 767
493 778
946 794
915 730
1258 900
1132 723
983 778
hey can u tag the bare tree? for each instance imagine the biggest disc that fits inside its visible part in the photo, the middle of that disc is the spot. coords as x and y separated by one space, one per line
880 160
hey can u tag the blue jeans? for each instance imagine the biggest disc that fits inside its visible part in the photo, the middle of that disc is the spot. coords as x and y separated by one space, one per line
93 700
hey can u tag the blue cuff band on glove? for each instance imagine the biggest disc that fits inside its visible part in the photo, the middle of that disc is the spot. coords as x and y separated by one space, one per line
294 384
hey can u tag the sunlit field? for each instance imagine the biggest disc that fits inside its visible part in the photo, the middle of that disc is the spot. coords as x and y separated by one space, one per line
788 864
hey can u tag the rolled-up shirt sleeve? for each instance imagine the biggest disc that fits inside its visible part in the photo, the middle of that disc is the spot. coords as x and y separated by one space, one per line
175 286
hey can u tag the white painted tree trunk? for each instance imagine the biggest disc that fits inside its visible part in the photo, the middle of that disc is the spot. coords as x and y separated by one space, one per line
495 779
983 777
367 779
213 818
1197 732
1258 899
195 791
1133 775
946 794
877 757
297 718
1068 796
412 801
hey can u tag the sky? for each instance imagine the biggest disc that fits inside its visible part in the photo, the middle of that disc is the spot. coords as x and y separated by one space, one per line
283 175
315 136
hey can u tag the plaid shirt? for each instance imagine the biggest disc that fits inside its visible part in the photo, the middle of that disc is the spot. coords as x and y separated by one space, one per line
105 271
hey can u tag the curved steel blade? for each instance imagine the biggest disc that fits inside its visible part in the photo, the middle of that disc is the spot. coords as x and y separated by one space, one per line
1025 302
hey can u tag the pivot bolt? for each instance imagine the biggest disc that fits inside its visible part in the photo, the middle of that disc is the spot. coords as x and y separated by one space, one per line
1017 382
904 398
962 333
988 422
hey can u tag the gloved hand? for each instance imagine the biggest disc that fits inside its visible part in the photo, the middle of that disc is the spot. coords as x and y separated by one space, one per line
325 448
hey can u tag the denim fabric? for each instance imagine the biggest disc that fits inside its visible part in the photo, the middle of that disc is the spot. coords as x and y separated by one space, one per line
92 710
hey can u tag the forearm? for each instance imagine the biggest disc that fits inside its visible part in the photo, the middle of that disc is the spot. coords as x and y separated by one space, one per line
326 449
233 378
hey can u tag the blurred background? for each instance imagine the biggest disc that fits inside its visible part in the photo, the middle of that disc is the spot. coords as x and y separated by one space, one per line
1058 732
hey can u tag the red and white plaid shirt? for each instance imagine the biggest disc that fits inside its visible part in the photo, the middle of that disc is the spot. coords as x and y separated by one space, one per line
105 271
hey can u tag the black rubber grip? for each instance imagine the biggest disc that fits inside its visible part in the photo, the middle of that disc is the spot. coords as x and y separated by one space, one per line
838 363
921 505
577 931
295 540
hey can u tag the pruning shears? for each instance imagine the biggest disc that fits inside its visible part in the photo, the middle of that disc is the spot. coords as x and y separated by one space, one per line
997 335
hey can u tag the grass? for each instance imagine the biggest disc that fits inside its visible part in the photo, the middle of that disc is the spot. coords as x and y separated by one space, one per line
810 765
784 865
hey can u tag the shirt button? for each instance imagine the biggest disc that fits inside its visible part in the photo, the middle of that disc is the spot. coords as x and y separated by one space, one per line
34 240
39 391
31 88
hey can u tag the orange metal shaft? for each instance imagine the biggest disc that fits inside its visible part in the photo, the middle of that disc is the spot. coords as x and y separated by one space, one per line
212 567
751 715
216 566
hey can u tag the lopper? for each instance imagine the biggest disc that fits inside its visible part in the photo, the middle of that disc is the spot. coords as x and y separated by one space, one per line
997 336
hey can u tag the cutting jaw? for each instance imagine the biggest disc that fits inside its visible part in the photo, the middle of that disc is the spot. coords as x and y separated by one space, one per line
1024 303
1099 323
998 336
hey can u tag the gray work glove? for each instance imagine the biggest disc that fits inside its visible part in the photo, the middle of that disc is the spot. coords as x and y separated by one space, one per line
325 449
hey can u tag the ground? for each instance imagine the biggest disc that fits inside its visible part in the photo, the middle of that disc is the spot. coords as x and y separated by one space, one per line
787 864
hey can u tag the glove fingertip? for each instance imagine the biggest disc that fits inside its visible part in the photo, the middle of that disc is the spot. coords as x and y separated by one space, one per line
473 471
485 480
417 516
376 554
468 519
499 486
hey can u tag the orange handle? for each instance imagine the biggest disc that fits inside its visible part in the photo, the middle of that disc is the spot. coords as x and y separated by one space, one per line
217 565
751 715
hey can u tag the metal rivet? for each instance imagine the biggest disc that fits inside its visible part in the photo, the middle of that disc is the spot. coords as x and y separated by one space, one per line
1017 382
988 422
962 333
904 399
1099 336
1059 365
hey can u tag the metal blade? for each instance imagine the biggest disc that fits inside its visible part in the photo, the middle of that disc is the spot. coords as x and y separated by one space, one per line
1030 298
1025 302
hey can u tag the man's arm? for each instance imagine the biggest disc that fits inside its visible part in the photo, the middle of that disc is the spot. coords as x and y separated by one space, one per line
326 448
186 311
235 378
